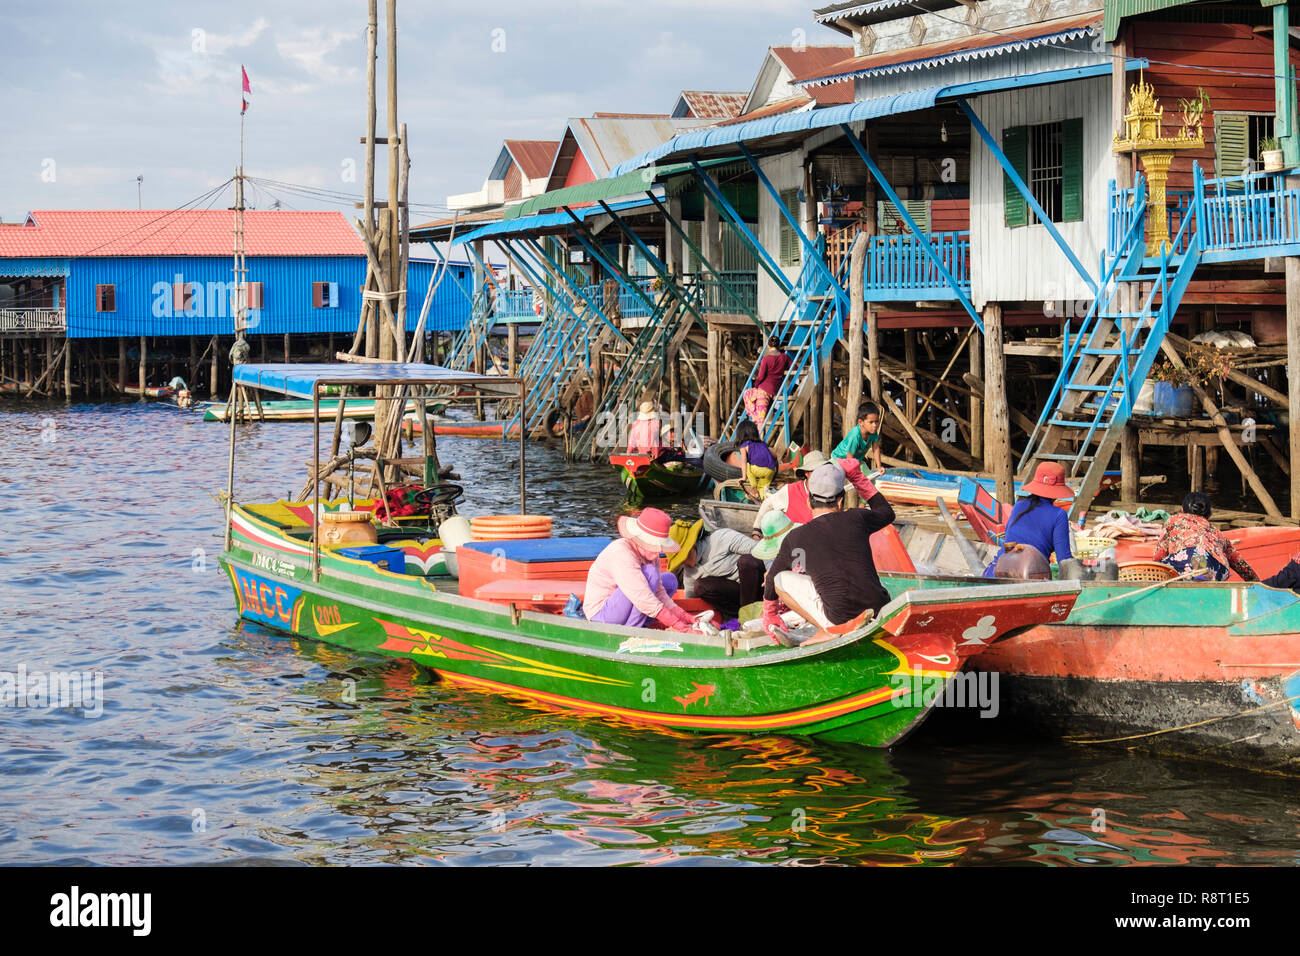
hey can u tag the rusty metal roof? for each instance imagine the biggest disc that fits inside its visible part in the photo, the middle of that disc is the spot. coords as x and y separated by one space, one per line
533 156
713 105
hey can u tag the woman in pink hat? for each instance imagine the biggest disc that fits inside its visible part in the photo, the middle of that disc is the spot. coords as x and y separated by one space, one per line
624 585
1038 524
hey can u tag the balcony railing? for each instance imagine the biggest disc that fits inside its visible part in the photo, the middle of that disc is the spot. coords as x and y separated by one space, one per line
33 320
514 304
899 269
1236 217
738 296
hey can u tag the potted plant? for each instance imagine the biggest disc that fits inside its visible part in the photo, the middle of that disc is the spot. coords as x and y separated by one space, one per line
1194 112
1173 395
1270 154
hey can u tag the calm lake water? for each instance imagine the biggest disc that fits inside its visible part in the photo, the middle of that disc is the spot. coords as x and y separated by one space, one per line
220 741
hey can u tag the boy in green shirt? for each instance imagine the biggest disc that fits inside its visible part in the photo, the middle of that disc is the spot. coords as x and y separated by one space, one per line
863 438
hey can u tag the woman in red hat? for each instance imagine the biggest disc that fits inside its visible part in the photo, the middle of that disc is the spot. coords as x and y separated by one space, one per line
625 586
1036 523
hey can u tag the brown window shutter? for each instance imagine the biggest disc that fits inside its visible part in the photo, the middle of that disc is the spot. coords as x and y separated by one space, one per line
318 294
254 295
178 296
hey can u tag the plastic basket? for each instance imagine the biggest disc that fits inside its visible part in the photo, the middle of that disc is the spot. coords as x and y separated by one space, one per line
1146 572
1091 547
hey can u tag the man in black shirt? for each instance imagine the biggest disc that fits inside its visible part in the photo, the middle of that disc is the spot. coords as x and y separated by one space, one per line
824 570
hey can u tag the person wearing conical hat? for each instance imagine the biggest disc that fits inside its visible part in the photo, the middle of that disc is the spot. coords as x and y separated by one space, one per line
717 567
1035 523
643 436
624 584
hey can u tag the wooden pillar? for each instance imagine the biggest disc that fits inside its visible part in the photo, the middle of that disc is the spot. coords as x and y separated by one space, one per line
976 350
909 376
997 438
827 440
193 370
857 309
286 347
121 362
873 355
144 352
212 371
714 360
512 348
675 389
67 372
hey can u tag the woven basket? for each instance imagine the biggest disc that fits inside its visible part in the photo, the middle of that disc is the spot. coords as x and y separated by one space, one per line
1146 572
1091 547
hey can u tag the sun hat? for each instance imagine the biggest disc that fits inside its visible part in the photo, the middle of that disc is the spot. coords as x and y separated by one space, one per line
650 528
686 534
647 411
811 462
827 481
1049 482
774 527
668 429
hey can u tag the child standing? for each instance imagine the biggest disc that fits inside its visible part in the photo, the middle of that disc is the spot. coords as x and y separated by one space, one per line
863 439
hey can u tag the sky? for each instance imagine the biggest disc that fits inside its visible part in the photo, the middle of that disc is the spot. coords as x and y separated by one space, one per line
101 93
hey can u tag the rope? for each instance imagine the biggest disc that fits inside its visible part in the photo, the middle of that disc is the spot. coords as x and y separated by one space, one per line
1170 730
1185 576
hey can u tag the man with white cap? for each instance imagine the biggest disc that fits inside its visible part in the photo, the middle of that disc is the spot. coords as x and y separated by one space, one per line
824 570
625 586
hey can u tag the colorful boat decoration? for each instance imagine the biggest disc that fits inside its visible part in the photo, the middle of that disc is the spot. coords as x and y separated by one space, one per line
921 486
299 410
868 686
645 476
872 684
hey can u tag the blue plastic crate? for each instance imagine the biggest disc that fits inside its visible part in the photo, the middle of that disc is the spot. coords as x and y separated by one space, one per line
391 559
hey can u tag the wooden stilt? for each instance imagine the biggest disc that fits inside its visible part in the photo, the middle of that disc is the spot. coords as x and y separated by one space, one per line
873 354
286 348
857 310
997 437
212 370
67 372
121 362
144 357
1293 362
512 349
975 349
714 360
825 439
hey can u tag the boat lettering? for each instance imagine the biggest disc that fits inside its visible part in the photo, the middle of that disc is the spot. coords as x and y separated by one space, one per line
268 601
273 564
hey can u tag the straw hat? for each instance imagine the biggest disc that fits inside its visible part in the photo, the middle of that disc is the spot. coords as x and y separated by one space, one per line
687 535
647 411
1049 482
811 462
774 528
650 528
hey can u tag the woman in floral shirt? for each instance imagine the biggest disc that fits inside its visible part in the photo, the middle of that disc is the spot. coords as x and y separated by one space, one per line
1191 542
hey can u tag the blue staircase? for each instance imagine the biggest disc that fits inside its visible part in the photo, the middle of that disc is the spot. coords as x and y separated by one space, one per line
812 322
1106 361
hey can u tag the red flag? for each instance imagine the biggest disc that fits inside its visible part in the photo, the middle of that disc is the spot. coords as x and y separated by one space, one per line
247 91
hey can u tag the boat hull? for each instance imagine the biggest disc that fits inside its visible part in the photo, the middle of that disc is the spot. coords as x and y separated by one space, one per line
298 410
643 477
847 688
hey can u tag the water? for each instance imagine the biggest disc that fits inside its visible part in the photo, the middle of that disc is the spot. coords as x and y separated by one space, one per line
220 741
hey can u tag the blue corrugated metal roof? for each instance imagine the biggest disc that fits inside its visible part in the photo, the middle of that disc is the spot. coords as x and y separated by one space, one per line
544 220
804 121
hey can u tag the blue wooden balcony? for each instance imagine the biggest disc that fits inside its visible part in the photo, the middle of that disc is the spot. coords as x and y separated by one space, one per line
899 270
514 304
1237 218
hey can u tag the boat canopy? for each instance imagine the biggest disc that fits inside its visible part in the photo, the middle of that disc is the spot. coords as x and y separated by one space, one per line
298 380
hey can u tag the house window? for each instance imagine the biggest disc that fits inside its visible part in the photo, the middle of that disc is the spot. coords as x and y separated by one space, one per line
791 250
105 298
1049 158
890 223
325 295
182 297
1236 142
254 294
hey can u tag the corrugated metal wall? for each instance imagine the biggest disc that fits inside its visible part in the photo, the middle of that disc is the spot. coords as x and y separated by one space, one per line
1024 264
143 289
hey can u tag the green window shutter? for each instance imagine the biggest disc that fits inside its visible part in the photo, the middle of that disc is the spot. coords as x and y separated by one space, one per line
1231 143
695 231
790 248
1072 170
1015 143
890 223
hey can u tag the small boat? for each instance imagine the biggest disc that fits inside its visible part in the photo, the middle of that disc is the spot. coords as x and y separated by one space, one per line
646 477
294 410
871 685
160 391
921 486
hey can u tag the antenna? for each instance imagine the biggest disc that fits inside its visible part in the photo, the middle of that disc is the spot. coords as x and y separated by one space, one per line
139 192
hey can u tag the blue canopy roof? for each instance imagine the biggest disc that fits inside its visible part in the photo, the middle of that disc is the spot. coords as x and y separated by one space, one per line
543 220
298 379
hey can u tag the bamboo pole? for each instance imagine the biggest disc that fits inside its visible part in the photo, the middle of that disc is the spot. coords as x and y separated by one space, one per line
857 309
144 349
997 435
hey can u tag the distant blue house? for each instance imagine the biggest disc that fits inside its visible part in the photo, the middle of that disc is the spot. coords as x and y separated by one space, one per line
126 273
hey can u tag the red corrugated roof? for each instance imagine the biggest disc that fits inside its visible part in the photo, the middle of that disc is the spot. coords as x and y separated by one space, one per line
786 105
709 103
170 232
874 61
816 61
534 156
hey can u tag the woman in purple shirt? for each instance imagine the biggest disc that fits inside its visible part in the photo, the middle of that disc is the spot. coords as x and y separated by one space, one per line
767 382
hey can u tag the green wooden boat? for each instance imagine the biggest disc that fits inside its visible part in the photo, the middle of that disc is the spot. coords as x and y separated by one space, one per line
645 477
300 410
872 684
